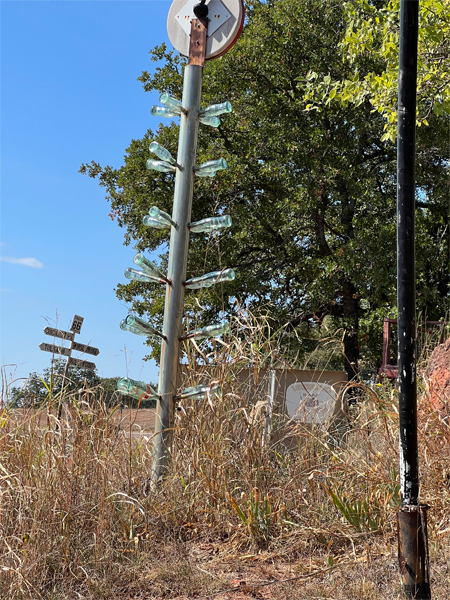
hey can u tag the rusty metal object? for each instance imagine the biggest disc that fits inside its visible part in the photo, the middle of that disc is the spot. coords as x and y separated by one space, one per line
413 551
389 370
197 46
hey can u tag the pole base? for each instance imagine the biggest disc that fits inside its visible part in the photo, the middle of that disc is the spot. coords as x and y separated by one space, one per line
413 551
418 592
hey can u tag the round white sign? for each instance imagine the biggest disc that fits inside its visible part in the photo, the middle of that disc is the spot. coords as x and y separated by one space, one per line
310 402
226 20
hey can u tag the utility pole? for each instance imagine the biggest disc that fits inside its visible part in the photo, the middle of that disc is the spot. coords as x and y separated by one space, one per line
412 522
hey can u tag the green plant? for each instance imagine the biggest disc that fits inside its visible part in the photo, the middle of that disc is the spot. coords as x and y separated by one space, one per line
357 512
259 514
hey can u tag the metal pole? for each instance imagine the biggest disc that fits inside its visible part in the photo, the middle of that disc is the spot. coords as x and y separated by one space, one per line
179 240
269 408
413 550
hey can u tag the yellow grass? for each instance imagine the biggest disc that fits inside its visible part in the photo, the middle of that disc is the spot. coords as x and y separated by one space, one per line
79 518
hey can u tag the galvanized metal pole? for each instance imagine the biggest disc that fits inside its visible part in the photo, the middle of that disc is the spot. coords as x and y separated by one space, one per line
179 240
269 408
412 533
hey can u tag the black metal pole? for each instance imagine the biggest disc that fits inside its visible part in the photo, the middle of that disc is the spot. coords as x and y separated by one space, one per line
413 550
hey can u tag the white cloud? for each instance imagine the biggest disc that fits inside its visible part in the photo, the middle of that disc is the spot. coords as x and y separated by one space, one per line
27 262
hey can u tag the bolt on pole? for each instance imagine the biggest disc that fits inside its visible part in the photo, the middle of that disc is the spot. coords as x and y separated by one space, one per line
412 525
179 240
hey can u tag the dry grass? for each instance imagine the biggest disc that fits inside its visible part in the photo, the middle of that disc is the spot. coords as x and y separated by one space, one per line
236 518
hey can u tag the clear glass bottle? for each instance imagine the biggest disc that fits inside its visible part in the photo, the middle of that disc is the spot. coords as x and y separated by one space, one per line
150 222
159 165
199 393
216 109
148 266
162 153
210 279
172 103
125 327
138 323
211 224
161 216
207 332
211 165
136 389
211 121
134 275
162 111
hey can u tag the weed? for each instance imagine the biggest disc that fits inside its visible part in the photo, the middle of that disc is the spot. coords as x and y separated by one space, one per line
80 519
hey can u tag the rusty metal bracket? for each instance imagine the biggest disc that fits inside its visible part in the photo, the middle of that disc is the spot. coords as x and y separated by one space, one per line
197 45
413 551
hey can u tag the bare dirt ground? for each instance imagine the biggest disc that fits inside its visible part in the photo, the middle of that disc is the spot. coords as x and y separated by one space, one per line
138 422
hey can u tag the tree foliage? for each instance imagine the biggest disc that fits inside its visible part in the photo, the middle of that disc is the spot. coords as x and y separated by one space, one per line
50 386
310 184
39 388
373 29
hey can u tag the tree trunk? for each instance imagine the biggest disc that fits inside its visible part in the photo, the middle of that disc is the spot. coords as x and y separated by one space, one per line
351 338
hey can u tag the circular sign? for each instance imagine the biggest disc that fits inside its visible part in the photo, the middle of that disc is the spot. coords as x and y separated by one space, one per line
226 20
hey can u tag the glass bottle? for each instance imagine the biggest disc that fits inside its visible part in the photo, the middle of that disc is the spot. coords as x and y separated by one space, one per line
172 103
148 266
162 111
216 109
211 121
206 281
161 216
134 275
199 393
159 165
162 152
208 331
210 224
150 222
136 389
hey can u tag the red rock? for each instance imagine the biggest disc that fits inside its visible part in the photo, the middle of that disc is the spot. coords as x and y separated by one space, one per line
437 378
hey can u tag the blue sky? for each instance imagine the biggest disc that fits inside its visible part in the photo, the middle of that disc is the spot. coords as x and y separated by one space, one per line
69 94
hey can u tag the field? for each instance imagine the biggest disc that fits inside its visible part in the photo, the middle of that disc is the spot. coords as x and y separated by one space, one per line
299 518
137 422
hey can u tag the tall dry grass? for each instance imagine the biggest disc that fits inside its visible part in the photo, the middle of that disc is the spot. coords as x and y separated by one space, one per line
79 518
